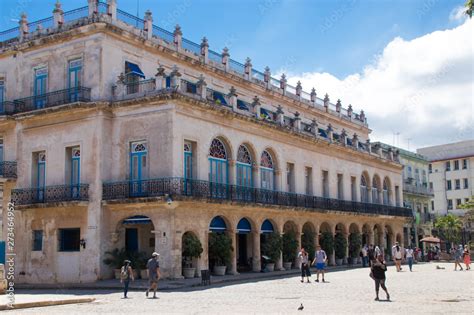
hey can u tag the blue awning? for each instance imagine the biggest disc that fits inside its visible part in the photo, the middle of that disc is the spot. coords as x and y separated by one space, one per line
219 97
349 141
217 225
243 227
137 219
267 227
242 105
131 68
322 133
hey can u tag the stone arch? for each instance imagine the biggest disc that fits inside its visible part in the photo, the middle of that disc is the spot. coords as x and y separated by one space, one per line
226 142
273 154
251 149
308 238
243 244
387 191
364 185
290 226
134 233
376 189
367 232
340 228
389 238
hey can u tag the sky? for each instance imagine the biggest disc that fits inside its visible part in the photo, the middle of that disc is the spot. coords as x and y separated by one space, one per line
408 63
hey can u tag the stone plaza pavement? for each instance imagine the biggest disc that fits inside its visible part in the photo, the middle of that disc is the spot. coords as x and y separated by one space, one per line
425 290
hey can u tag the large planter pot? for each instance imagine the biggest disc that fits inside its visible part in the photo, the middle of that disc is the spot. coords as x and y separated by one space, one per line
287 265
270 267
189 273
144 274
339 262
219 270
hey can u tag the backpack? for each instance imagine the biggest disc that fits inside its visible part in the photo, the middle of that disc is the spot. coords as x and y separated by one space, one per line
124 273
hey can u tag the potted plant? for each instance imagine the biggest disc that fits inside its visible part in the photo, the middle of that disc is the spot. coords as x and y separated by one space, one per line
271 248
307 242
192 248
326 241
340 246
289 249
355 246
115 260
139 263
220 249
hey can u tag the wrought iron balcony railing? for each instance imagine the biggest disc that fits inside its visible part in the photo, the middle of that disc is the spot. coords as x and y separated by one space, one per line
52 99
8 169
7 108
416 189
59 193
204 189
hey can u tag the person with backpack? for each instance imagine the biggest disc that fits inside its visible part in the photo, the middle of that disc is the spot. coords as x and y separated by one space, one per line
126 274
377 273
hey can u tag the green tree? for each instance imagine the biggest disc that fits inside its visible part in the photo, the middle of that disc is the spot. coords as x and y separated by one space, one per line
271 247
327 242
469 215
307 242
469 7
220 248
289 246
449 227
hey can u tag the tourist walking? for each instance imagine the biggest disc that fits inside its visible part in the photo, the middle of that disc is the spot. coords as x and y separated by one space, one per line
371 254
467 257
153 270
320 258
397 256
303 256
377 252
458 253
409 256
378 274
126 274
365 257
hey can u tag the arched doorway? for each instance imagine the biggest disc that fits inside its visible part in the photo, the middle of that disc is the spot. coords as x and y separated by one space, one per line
244 178
366 231
137 236
244 245
219 244
266 229
218 168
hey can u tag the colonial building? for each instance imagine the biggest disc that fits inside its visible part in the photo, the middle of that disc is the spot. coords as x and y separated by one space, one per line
451 175
119 134
417 195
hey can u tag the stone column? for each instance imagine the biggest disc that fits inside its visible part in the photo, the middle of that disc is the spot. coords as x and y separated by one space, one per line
225 58
233 98
355 141
299 89
256 107
175 77
314 128
347 249
329 132
112 9
256 256
313 96
371 237
297 122
160 78
349 111
148 25
248 68
267 77
280 115
326 102
24 29
178 36
58 15
177 253
283 83
205 50
93 7
338 106
204 260
279 263
233 258
202 87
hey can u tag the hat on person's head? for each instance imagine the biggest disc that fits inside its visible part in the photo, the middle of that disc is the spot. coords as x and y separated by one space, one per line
155 254
126 261
396 243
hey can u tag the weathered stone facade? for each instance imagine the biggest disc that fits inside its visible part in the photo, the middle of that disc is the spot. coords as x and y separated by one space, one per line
316 149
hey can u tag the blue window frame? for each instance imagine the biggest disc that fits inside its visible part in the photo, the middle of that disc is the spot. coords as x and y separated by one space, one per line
41 176
244 173
218 169
267 174
242 105
188 167
191 88
40 87
74 79
75 171
168 82
219 98
37 240
138 168
2 95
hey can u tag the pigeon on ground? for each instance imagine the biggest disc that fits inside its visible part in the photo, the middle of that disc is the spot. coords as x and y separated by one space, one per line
301 307
438 267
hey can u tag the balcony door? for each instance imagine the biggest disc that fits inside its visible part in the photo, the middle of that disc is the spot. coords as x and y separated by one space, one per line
74 79
40 87
244 173
138 168
75 172
41 176
188 167
218 169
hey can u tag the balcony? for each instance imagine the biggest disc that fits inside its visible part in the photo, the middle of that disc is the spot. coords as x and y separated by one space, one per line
417 190
48 100
222 192
48 194
8 169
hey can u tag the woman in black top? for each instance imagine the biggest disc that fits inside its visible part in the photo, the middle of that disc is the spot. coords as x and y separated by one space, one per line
378 274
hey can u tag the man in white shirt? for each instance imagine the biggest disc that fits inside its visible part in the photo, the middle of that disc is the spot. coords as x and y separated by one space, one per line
397 256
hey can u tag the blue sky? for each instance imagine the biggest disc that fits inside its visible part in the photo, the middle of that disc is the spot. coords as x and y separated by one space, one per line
408 63
292 35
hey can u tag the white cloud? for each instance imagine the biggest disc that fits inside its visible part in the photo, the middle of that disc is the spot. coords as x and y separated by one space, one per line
422 88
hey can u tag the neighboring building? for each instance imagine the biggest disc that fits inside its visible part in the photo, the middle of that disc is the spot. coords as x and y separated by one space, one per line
129 137
417 195
451 175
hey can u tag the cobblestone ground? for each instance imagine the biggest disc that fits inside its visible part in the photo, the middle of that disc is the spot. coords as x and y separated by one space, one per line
425 290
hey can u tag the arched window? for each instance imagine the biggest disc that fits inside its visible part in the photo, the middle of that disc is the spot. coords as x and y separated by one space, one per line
375 190
364 195
386 192
218 168
267 172
138 167
244 167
